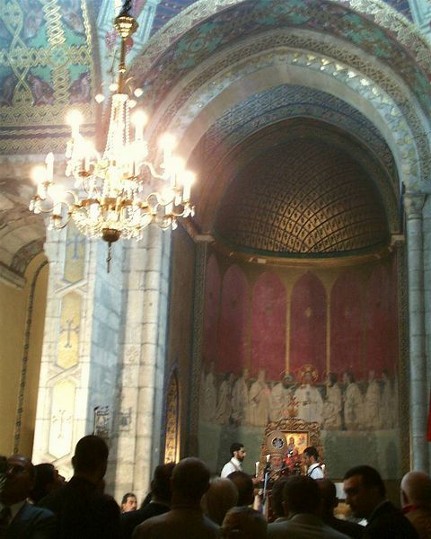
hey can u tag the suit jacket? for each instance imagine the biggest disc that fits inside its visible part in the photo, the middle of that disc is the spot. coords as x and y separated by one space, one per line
351 529
178 523
32 522
303 526
388 522
130 520
83 512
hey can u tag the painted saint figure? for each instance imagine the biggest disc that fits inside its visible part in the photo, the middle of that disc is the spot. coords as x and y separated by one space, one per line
281 397
224 403
333 404
259 394
310 402
240 399
353 403
372 402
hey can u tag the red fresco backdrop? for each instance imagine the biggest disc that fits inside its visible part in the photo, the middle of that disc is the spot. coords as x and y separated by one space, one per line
347 329
249 315
268 336
234 322
308 324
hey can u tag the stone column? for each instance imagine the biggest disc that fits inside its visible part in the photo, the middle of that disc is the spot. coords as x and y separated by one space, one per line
138 429
414 203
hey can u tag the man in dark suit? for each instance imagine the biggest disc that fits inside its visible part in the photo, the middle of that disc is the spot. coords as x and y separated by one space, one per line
301 502
159 502
366 495
83 510
18 518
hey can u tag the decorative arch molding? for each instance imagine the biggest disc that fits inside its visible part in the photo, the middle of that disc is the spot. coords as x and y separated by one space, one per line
229 75
377 11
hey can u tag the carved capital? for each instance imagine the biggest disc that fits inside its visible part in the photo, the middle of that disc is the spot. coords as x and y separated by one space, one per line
413 205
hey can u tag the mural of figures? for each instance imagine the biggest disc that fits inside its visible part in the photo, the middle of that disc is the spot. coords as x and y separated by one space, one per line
353 403
224 402
372 403
264 369
333 404
259 397
240 399
310 402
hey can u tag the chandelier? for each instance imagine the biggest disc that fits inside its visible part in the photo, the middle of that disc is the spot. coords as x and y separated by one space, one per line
118 193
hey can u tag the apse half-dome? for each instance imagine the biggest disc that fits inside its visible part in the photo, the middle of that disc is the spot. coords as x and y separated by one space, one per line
306 198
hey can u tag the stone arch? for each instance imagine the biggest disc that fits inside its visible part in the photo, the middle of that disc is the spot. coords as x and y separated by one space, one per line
190 95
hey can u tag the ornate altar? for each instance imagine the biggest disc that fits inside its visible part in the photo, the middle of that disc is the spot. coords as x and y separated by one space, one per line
288 438
281 455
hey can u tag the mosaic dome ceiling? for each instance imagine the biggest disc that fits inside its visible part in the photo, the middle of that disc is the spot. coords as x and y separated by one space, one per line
304 197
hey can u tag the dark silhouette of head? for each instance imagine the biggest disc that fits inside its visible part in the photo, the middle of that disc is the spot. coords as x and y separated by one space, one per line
301 494
328 492
91 458
190 481
219 498
244 484
244 522
46 480
161 484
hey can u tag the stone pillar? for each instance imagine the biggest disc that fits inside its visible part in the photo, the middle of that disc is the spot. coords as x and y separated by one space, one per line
80 349
138 430
414 204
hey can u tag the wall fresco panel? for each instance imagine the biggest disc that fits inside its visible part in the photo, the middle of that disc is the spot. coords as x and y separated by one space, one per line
308 324
347 324
233 331
268 323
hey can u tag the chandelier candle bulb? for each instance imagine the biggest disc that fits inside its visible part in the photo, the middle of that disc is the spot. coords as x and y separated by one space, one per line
49 161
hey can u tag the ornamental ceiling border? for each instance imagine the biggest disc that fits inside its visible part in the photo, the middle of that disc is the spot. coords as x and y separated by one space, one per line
291 101
378 11
389 99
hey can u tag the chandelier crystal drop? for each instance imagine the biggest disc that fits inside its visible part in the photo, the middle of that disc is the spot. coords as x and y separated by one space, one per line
120 192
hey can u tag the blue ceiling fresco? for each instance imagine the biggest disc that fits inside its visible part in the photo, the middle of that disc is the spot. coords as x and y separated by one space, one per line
166 10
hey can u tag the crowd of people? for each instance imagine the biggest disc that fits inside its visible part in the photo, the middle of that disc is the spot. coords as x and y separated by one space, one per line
186 501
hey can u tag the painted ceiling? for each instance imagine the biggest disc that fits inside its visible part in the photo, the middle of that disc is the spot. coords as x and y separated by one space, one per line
50 61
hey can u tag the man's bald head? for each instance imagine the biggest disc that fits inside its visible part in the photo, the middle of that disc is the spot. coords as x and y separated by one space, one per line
416 489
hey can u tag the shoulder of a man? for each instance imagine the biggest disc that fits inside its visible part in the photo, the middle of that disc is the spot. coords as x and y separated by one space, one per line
388 522
278 529
227 469
35 513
